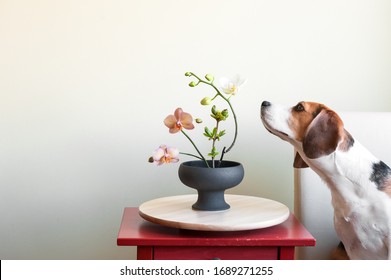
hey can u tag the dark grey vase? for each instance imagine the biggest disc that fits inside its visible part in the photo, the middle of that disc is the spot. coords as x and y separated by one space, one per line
211 183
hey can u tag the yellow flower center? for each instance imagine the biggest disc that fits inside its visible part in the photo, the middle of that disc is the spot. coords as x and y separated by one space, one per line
232 88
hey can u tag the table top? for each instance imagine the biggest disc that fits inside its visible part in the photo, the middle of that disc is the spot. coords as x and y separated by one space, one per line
136 231
246 213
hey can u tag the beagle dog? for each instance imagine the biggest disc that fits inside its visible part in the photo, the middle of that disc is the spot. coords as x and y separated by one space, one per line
360 184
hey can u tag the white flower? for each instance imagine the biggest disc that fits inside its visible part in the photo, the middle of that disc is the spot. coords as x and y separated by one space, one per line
231 86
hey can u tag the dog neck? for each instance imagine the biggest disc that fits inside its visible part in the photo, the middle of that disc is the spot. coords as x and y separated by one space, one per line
353 164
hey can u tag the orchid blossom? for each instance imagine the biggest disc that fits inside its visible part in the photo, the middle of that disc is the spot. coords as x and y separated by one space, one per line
231 86
179 120
165 154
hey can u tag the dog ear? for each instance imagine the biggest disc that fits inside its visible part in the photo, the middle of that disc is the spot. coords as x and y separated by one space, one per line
299 162
323 134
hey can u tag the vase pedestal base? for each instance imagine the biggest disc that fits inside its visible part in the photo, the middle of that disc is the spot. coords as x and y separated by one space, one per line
211 201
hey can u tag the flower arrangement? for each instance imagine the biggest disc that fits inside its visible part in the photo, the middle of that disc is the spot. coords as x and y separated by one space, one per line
181 121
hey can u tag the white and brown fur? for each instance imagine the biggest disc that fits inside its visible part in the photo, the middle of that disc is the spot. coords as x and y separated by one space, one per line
360 183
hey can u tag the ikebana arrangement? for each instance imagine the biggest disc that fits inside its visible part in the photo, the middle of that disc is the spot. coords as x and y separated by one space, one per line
208 175
181 121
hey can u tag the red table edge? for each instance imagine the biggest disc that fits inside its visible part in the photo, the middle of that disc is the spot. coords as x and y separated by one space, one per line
302 238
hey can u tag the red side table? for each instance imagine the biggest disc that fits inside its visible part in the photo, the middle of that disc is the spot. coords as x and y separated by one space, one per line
156 242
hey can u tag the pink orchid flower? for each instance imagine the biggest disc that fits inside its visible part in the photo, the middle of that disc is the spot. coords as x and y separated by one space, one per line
178 121
165 154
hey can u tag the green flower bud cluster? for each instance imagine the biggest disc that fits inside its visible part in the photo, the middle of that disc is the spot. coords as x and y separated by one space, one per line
219 115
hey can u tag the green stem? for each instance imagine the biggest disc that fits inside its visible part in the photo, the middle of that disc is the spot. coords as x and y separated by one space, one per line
231 108
187 154
194 145
236 127
214 142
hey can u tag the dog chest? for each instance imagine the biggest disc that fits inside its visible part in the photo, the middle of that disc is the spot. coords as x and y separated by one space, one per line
364 226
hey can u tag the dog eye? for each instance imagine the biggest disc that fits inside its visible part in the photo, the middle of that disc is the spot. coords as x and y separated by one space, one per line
299 107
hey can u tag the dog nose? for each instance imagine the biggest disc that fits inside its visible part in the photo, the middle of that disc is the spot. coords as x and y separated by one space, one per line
266 104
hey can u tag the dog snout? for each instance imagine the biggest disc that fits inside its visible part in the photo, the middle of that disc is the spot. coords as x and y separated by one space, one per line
266 104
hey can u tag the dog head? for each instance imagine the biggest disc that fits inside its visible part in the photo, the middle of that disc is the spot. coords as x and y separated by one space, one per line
312 128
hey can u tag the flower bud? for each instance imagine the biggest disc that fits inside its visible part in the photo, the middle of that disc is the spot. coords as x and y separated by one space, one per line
198 120
209 77
206 101
214 111
225 113
188 74
192 84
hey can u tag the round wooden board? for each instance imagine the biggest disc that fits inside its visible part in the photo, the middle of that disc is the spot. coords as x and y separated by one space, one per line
246 213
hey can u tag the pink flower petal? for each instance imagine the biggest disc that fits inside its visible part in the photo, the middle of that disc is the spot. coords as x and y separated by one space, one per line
175 129
174 160
172 152
158 153
170 121
178 112
187 120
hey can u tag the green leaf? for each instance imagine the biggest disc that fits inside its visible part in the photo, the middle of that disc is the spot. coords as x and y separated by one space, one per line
221 134
208 133
213 153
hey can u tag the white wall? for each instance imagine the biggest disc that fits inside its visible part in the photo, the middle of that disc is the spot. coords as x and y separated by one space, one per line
85 86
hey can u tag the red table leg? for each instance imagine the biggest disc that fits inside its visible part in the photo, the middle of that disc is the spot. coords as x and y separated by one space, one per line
287 253
145 252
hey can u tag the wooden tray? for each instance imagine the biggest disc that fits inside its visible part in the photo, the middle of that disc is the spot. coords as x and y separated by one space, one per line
246 213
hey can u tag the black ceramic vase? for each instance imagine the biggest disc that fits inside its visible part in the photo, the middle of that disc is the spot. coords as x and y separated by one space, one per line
211 183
